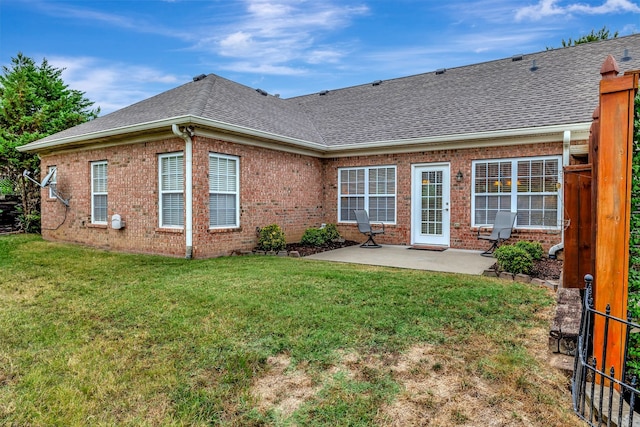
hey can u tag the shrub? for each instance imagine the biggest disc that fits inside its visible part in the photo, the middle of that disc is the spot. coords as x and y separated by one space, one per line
514 259
271 238
534 249
320 236
7 186
332 232
314 237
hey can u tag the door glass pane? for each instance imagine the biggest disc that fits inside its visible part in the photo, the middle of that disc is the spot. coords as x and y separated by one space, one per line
431 202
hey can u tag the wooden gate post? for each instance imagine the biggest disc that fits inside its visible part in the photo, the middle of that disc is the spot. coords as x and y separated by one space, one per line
613 171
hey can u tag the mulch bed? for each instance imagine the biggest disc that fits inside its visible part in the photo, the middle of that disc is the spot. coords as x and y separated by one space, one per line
310 250
545 269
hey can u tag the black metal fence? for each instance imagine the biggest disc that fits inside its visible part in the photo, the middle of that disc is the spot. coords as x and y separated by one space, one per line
601 396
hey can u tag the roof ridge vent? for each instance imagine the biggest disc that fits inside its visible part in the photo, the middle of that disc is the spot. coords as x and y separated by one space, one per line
200 77
323 92
626 57
262 92
440 71
515 58
376 83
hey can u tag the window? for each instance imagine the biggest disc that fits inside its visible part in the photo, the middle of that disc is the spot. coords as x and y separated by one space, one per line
528 186
53 182
372 189
224 199
171 177
99 192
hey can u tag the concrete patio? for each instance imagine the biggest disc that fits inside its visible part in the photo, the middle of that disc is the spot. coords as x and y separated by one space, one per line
449 261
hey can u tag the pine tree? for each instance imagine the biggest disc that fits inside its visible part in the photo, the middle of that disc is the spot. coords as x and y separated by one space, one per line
34 103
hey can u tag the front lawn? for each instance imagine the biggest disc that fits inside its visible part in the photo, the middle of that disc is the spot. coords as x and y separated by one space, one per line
89 337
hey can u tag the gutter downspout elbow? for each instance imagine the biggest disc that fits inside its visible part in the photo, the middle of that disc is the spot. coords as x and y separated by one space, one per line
188 187
566 147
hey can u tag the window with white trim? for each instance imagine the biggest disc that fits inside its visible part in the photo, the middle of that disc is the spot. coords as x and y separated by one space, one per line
171 185
528 186
53 181
370 188
99 192
224 194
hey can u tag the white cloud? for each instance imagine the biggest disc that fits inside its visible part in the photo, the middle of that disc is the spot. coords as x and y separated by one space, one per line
324 56
609 6
252 67
140 24
112 86
273 33
546 8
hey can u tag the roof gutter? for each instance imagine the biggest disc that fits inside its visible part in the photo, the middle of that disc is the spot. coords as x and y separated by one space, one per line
159 124
578 130
186 134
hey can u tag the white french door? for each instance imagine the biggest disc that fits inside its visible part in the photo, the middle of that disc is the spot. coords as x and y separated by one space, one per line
430 213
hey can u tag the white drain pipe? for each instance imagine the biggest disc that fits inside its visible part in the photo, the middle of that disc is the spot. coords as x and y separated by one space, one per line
566 146
188 186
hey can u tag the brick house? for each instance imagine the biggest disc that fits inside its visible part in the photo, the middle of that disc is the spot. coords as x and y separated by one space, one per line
195 170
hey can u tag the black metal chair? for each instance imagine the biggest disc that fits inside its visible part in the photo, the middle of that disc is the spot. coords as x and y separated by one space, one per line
501 231
365 228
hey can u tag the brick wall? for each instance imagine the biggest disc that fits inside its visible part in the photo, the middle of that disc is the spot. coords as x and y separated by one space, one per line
291 190
463 236
276 187
132 193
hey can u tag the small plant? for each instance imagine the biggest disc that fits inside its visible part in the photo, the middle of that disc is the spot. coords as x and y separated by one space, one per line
320 236
314 237
7 187
331 232
271 238
533 248
513 259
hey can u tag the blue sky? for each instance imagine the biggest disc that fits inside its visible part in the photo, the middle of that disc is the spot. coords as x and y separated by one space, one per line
119 52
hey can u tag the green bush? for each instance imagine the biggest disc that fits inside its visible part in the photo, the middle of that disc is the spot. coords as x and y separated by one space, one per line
320 236
513 259
534 249
271 238
7 186
331 230
314 237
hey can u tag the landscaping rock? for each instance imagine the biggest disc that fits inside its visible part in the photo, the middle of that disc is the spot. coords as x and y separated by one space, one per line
566 324
538 282
282 253
523 278
506 276
294 254
490 272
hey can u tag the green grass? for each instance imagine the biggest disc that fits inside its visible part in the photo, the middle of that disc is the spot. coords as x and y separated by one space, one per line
89 337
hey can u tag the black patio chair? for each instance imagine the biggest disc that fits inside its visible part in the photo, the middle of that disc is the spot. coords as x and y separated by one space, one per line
365 228
501 231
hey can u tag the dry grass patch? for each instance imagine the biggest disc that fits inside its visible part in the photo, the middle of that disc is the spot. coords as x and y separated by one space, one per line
475 382
282 389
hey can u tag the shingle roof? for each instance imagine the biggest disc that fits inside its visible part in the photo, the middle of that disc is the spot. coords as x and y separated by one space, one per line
491 96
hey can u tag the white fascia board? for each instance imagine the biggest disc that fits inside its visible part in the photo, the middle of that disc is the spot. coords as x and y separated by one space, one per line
103 135
88 138
245 131
579 131
457 141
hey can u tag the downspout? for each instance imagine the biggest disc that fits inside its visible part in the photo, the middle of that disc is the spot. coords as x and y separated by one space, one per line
566 146
188 186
